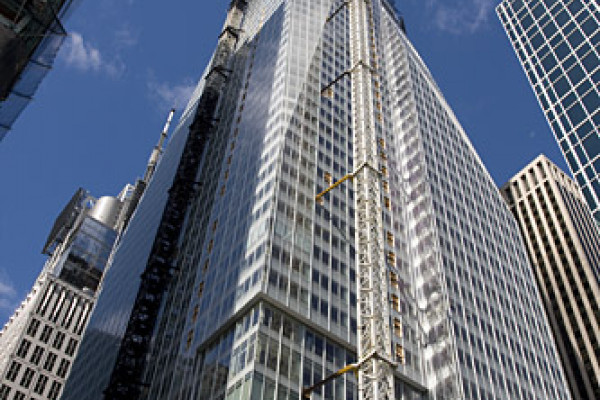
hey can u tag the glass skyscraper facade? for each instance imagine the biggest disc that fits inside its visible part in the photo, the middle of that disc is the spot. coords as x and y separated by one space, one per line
558 45
263 298
31 33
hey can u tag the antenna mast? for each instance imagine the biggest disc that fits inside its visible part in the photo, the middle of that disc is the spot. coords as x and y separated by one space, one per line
158 149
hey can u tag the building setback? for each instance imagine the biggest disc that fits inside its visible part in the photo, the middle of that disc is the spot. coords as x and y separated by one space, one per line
558 45
564 247
249 287
31 33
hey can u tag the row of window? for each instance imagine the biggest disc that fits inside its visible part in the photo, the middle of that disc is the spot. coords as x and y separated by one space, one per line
467 253
44 337
26 380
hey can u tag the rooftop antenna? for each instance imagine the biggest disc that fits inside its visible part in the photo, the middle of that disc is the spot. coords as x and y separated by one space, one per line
158 149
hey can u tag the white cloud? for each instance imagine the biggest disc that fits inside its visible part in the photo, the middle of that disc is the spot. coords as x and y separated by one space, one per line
461 16
8 294
170 95
7 307
115 69
83 56
126 37
6 290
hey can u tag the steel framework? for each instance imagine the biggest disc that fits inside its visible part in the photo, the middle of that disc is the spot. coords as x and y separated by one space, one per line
376 370
375 366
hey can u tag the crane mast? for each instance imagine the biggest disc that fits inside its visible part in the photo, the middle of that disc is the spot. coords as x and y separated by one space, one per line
375 365
376 368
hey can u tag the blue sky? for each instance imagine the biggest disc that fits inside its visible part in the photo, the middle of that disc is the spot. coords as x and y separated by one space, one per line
97 115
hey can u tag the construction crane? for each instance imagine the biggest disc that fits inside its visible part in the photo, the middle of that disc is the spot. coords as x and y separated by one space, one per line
127 378
375 366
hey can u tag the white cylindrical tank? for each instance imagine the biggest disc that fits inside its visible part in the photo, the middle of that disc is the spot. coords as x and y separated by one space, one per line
106 210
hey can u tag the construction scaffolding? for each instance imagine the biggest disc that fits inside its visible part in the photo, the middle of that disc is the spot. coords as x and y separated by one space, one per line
375 366
127 376
376 370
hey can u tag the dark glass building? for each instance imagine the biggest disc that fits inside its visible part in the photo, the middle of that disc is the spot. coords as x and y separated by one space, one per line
558 45
31 32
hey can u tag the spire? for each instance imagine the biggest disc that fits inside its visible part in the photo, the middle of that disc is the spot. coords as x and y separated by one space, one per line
158 149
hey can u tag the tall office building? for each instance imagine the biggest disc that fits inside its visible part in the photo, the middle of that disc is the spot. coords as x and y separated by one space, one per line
39 342
558 44
564 247
248 287
31 32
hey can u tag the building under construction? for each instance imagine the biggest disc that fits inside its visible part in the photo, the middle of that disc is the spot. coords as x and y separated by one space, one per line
31 32
319 206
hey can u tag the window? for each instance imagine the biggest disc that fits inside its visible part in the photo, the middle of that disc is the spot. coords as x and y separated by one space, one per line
54 391
4 392
390 238
23 348
37 355
12 373
394 280
397 327
395 303
33 327
71 347
50 360
58 340
63 368
591 102
576 114
27 377
399 353
46 334
391 258
19 396
40 385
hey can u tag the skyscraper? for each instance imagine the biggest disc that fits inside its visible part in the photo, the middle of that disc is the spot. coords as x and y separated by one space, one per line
39 342
31 32
249 287
558 45
564 247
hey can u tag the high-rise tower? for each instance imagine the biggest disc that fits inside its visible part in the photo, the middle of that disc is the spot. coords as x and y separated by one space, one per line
41 339
249 287
564 246
31 33
39 342
558 45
